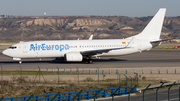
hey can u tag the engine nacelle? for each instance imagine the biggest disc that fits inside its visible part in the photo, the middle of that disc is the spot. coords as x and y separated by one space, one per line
72 57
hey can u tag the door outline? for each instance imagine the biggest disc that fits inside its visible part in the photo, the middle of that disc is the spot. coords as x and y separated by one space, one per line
25 48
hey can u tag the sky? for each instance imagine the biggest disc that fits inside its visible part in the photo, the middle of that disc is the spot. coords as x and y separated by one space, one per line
131 8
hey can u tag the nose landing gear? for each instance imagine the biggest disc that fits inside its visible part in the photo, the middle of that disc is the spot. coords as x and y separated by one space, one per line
20 62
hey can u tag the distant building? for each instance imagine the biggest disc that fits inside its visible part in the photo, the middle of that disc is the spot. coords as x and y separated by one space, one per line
2 16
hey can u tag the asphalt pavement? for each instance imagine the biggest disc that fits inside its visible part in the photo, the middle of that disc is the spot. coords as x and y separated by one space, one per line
150 96
152 58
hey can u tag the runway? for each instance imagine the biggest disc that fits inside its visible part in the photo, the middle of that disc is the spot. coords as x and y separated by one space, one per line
152 58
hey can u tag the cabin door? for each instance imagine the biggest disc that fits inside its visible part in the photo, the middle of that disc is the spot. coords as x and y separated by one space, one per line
25 48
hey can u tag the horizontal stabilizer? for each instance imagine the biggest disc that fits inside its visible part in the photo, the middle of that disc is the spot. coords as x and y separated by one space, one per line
160 40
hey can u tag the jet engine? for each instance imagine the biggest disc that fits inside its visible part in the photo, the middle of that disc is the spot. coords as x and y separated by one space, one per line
73 57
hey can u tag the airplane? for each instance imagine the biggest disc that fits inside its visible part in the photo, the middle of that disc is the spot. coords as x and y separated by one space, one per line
84 50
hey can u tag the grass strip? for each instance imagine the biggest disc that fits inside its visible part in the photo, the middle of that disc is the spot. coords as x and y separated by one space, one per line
165 47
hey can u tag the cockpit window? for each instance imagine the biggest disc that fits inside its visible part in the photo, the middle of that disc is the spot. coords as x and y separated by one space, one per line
13 47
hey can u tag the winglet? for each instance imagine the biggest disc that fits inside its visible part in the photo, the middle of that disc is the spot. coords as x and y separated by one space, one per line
90 38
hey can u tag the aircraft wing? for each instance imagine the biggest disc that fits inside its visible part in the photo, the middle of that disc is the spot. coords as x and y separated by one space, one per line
100 51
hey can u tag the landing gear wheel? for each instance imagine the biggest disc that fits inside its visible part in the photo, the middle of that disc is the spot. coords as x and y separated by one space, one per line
20 62
90 61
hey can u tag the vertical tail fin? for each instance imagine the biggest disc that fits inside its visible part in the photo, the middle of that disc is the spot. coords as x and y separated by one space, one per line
153 30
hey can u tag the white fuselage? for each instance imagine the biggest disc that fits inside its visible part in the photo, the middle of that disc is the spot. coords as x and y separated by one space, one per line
40 49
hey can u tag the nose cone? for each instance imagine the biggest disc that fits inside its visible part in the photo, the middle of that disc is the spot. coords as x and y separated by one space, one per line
6 52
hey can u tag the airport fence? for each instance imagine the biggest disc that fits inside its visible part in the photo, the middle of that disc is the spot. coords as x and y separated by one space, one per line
63 76
79 95
100 93
157 87
97 76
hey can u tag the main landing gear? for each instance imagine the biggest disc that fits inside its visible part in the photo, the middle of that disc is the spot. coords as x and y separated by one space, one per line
89 60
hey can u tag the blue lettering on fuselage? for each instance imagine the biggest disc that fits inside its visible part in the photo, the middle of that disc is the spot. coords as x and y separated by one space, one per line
44 47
